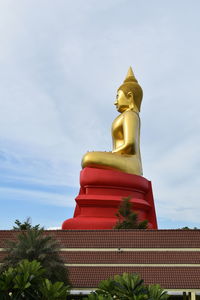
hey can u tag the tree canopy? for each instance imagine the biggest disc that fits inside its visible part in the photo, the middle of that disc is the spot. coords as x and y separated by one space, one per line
127 218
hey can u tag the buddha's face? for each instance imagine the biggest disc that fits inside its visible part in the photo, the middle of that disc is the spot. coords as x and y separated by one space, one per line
122 102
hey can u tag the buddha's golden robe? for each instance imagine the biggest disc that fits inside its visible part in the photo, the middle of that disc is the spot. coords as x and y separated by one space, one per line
126 146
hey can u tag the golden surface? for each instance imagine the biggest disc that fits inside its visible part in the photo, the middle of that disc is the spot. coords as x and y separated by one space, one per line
125 155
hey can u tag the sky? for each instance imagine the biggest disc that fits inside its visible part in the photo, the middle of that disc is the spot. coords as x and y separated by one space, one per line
61 63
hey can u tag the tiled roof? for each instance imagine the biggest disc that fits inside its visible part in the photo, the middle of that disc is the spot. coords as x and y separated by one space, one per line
127 257
168 278
6 235
168 257
128 238
119 238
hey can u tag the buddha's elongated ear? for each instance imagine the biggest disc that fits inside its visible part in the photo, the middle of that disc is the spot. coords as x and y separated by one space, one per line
131 100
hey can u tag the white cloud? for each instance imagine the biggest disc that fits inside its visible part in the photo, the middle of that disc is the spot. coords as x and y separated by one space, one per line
60 65
44 197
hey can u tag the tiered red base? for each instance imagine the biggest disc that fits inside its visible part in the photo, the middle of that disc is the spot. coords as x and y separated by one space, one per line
100 195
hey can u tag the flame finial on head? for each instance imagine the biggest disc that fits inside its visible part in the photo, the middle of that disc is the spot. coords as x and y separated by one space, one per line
130 77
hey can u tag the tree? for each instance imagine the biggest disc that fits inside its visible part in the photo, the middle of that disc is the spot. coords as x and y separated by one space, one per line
155 292
127 218
187 228
35 245
27 281
127 287
26 225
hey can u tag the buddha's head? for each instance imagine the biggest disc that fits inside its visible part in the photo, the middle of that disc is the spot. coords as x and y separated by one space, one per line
129 94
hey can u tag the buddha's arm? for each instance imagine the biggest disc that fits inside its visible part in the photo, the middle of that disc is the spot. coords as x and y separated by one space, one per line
131 125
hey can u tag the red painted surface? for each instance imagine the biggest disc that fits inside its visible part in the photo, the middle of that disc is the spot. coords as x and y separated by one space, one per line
100 195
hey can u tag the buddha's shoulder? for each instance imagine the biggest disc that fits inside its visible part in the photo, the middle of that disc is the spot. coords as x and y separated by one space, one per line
131 114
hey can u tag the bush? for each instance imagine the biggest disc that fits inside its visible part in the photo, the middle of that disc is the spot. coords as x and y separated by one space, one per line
127 287
27 281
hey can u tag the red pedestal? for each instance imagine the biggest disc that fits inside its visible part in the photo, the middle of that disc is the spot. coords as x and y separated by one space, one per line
100 195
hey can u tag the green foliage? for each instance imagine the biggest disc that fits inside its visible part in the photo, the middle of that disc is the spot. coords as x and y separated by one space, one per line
21 282
6 281
155 292
107 287
28 276
127 219
187 228
94 296
27 281
34 245
51 291
127 287
26 225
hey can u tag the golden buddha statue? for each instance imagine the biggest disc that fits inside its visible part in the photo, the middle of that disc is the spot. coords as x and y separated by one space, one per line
125 155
